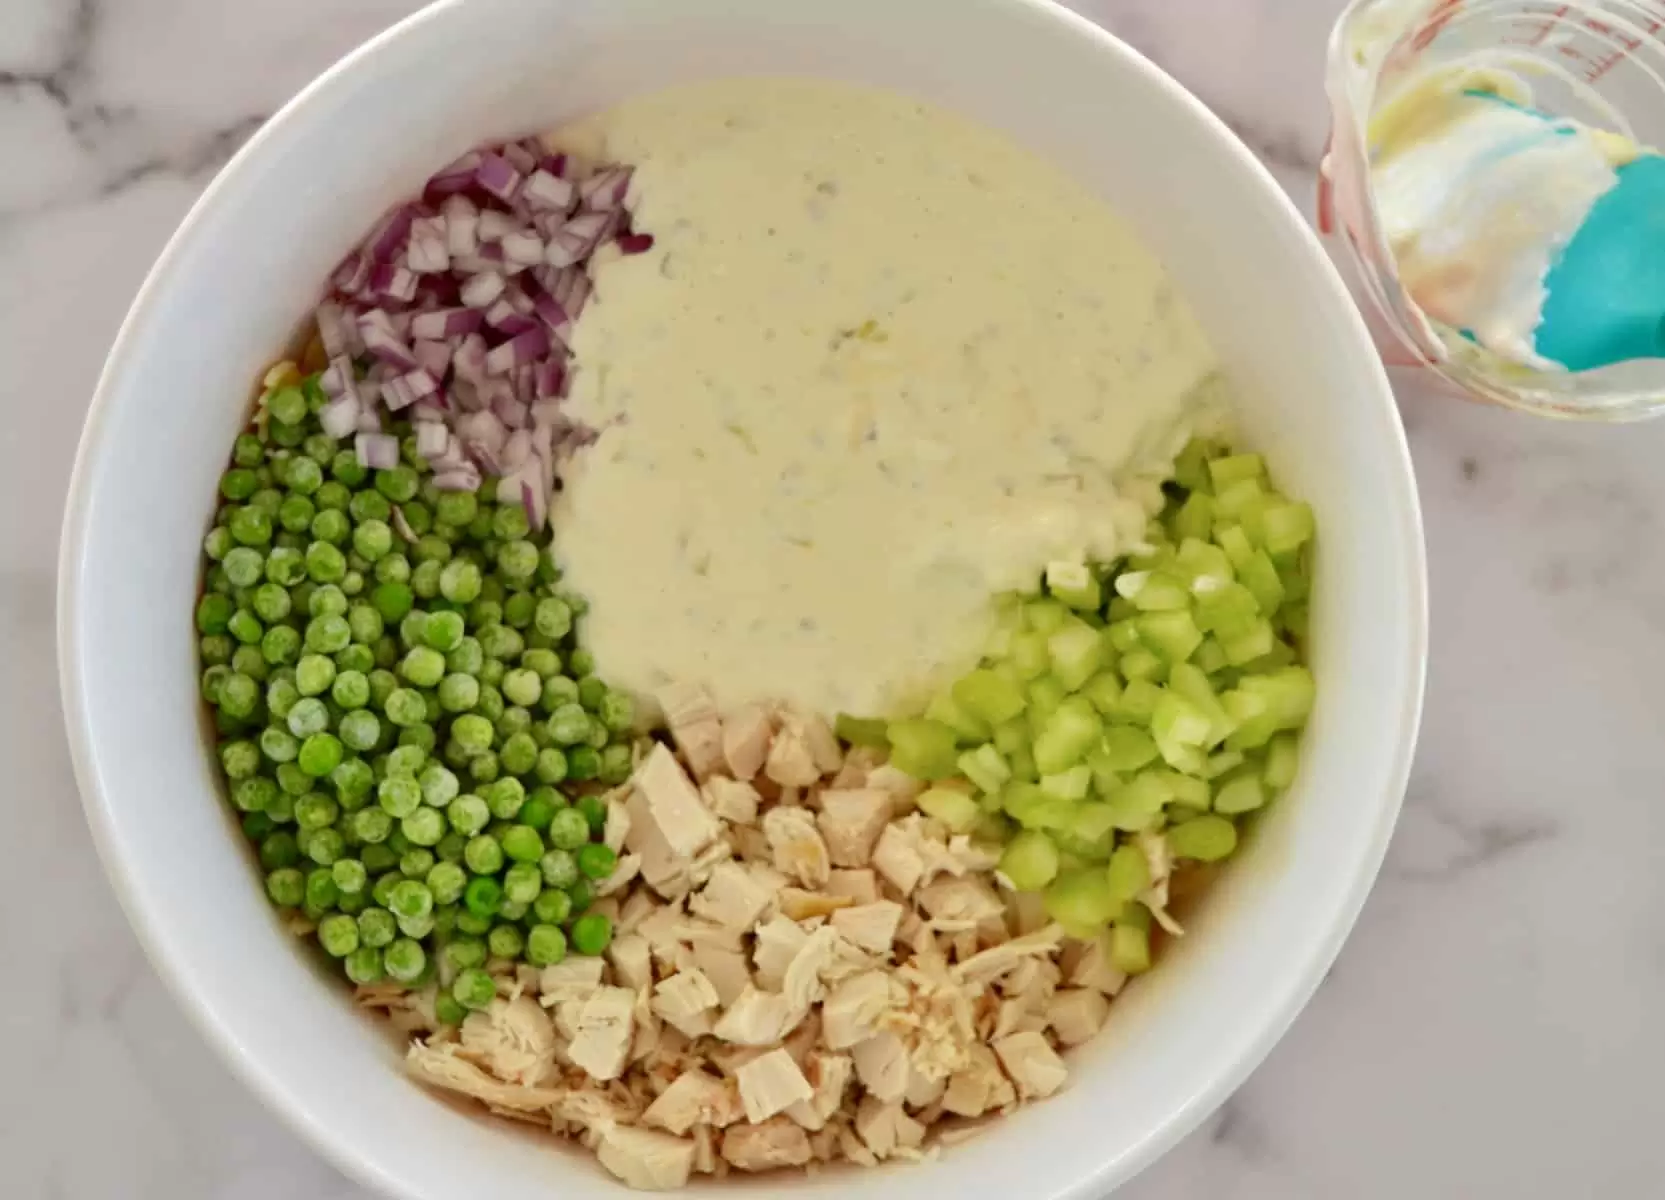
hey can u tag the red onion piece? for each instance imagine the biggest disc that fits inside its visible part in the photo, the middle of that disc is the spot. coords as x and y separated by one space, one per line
635 243
605 190
522 348
483 289
547 192
377 451
444 323
431 439
339 417
496 175
434 356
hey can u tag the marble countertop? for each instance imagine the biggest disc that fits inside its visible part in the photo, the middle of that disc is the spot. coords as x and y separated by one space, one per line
1491 1029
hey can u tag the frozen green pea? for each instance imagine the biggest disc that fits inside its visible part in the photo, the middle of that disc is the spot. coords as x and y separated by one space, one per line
468 814
483 855
559 867
399 796
328 600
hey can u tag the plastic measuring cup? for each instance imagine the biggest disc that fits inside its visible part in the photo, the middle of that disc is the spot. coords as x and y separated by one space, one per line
1601 62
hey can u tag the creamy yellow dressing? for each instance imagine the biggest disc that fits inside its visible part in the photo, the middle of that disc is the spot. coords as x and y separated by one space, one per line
880 365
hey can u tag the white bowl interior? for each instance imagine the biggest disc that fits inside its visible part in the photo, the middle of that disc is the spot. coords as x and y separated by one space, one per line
246 267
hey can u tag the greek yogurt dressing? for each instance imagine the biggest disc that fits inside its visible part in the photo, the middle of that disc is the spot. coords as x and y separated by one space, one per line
880 364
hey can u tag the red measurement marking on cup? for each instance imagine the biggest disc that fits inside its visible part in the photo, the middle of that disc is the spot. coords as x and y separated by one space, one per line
1593 46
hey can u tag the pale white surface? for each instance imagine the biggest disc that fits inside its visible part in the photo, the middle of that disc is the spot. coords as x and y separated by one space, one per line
1490 1029
1307 387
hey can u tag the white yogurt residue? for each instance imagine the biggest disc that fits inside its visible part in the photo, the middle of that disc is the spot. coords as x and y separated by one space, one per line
880 365
1477 197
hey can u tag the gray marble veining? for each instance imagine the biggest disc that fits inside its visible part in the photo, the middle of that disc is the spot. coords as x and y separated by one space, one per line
1491 1028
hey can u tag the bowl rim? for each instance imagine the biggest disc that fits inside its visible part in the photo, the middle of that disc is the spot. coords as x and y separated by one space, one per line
171 960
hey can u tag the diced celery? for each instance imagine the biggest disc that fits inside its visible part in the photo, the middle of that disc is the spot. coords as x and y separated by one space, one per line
1075 584
988 696
1043 697
861 731
1282 654
1010 736
1030 861
1235 468
1188 680
1072 784
1219 764
1135 916
1195 517
1172 635
1253 643
1287 693
1200 560
1139 802
1177 812
1261 578
1107 781
1209 657
1235 543
1080 851
1206 839
1176 719
1162 591
1191 466
1093 820
1032 808
1103 692
1139 664
1283 759
1022 761
1128 873
1139 699
1189 791
1127 748
1129 949
1240 794
1286 527
1044 616
923 748
1297 582
1227 608
1072 730
952 807
986 767
994 829
966 725
992 802
1123 635
1028 654
1119 609
1231 502
1182 756
1130 583
1081 900
1078 651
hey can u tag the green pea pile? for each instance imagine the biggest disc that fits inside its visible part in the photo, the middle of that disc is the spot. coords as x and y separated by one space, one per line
408 727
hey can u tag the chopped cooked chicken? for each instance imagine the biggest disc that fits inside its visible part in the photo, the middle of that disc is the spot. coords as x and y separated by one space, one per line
664 871
851 821
737 894
746 737
725 968
513 1039
924 1088
603 1032
822 742
857 764
1077 1014
829 1075
1091 966
978 1086
798 847
870 926
674 805
638 906
852 1010
859 886
625 870
643 1159
691 716
882 1065
791 762
802 984
570 979
695 1097
805 906
1031 1063
685 1002
901 786
733 800
771 1084
997 960
777 944
618 822
443 1067
960 903
886 1128
777 1142
759 1019
632 964
897 856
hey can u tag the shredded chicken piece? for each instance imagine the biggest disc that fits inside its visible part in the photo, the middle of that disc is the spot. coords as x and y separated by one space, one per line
852 1011
829 1075
978 1086
1077 1014
737 894
804 906
643 1159
674 805
858 886
695 1097
513 1039
732 800
603 1032
632 964
746 737
685 1001
885 1127
770 1084
899 858
791 761
997 960
443 1067
960 903
1031 1063
882 1065
759 1019
870 926
1088 965
618 821
691 716
851 821
800 853
725 968
570 979
775 1143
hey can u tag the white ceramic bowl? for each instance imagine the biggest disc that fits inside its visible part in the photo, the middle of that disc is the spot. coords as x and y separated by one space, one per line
244 269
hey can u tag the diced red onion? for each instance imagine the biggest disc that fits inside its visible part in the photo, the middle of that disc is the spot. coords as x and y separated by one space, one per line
546 192
455 176
519 157
506 319
427 252
523 247
380 338
635 243
433 355
464 477
521 348
338 379
498 176
397 394
495 225
462 225
516 450
481 428
377 451
394 282
431 438
511 410
339 417
483 289
605 190
444 323
332 330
